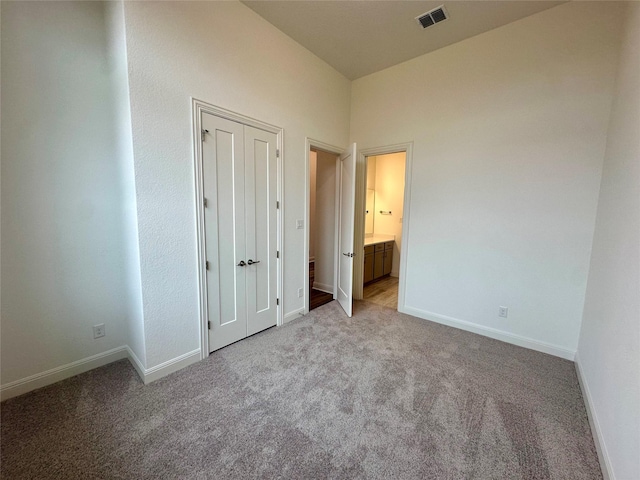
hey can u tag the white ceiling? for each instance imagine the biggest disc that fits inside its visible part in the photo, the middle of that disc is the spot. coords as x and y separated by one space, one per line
361 37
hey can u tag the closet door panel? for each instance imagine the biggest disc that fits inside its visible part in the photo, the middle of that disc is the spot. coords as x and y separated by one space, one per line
224 190
261 228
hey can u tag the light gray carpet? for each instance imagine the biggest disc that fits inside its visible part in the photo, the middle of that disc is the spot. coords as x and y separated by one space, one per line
381 395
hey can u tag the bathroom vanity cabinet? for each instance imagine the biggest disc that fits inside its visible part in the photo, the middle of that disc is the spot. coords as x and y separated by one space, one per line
378 258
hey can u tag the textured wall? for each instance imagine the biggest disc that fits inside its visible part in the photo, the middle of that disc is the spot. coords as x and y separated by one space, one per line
119 79
509 131
63 247
325 220
609 349
313 165
225 54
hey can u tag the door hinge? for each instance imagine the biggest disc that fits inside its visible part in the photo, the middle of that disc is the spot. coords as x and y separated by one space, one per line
277 253
205 202
277 204
277 153
209 325
206 265
203 132
277 301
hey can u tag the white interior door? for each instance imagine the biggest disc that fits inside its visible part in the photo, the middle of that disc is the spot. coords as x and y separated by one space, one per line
240 188
346 229
224 192
261 171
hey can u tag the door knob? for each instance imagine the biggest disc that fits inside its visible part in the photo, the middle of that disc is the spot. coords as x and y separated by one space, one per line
241 264
251 262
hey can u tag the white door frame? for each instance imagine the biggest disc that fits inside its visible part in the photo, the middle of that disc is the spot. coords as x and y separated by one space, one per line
361 198
337 151
198 107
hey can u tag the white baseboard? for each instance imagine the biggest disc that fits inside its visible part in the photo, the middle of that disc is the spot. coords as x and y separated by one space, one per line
491 333
323 287
147 375
293 315
601 447
165 368
48 377
136 363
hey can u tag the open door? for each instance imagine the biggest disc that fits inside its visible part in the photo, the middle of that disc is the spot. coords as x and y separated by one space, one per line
346 229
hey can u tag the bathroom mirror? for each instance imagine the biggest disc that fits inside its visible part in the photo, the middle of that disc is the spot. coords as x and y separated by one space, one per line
369 212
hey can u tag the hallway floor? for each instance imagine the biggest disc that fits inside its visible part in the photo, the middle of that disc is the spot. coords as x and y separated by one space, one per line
316 297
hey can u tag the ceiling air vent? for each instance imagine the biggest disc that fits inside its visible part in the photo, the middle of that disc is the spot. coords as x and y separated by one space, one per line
432 17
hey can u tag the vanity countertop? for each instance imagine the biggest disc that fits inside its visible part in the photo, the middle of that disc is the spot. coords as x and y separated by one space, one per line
378 239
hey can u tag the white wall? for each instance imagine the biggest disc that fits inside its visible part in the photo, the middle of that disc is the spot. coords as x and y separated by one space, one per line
225 54
370 197
389 186
509 132
313 165
609 348
325 221
124 154
63 267
371 173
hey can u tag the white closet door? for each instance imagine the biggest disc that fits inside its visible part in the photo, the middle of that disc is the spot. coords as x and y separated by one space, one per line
261 228
224 191
346 229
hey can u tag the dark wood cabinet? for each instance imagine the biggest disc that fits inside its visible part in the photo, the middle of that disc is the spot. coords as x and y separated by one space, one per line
387 261
378 263
368 263
378 260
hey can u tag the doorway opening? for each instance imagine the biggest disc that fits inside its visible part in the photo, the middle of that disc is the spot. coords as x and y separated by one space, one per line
322 227
334 269
384 206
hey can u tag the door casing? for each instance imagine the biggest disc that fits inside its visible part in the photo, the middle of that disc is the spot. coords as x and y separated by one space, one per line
198 107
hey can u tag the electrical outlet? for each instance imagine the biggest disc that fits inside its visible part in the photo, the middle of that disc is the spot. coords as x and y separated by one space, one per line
99 331
503 312
300 292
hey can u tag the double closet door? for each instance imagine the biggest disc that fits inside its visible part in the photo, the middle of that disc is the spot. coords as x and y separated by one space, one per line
240 216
